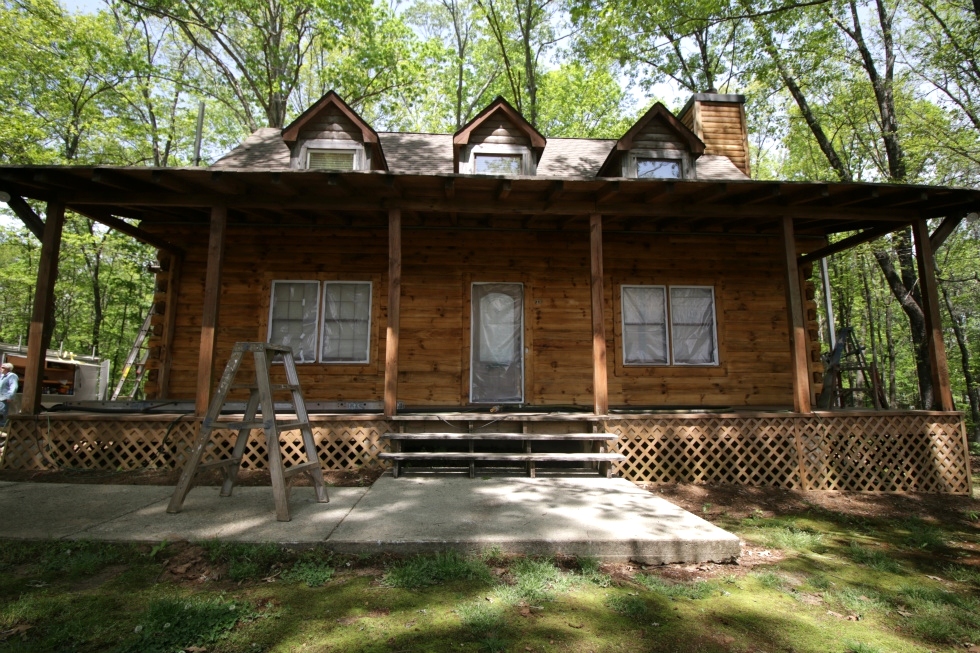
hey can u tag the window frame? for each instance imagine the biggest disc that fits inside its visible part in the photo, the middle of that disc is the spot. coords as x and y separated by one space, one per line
467 161
682 158
669 326
322 321
272 308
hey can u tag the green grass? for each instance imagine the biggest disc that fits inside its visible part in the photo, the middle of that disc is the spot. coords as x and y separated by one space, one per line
842 584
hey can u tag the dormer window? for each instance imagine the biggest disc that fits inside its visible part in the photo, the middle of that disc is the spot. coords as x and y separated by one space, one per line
497 164
332 159
657 164
496 159
658 168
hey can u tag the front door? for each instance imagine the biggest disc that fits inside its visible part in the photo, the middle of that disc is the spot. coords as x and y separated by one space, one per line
497 343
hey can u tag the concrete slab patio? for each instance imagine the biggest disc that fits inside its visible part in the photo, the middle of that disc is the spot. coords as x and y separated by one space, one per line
610 519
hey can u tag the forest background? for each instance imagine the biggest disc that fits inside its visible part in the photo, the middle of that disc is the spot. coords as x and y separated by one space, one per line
837 90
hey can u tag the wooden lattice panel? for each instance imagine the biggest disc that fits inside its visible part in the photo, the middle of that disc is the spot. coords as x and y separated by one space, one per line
758 451
886 452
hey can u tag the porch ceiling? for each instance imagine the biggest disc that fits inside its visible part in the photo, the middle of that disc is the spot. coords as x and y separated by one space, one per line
362 199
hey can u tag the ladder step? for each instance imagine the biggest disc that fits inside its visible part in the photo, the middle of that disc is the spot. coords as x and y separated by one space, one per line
289 426
302 467
237 426
274 387
224 462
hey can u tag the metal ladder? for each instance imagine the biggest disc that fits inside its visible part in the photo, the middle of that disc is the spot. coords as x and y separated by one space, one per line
260 399
836 362
140 367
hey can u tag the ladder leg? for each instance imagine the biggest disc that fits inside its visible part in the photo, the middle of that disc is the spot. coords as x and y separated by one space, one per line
276 470
309 443
214 410
231 471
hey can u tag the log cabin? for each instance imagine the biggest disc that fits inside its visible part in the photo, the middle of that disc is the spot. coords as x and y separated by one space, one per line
495 280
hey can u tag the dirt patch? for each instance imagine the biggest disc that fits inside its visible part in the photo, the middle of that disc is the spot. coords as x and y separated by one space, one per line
188 563
738 502
213 477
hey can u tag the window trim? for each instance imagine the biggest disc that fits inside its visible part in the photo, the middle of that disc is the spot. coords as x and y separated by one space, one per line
669 315
683 158
467 157
322 321
272 307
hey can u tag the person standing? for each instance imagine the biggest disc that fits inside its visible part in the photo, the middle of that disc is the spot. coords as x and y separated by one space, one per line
8 388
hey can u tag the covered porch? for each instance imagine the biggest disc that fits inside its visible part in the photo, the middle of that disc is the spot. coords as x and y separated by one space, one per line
768 436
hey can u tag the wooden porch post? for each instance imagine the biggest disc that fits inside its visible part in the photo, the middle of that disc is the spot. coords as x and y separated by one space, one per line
942 395
212 296
394 308
169 323
797 327
42 318
599 378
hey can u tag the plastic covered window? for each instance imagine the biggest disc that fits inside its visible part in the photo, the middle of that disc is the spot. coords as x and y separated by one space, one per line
346 322
692 325
644 325
293 316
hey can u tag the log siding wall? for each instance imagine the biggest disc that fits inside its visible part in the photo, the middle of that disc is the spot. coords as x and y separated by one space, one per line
437 272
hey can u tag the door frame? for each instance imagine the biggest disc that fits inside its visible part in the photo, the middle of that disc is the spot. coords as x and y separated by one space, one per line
523 343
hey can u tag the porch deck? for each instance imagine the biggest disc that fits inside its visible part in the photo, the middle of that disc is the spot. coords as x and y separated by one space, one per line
893 451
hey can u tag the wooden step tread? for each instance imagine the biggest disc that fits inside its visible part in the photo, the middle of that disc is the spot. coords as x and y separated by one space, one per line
513 457
500 436
258 424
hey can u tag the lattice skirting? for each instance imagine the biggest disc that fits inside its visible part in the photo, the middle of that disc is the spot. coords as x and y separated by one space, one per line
867 452
880 452
164 442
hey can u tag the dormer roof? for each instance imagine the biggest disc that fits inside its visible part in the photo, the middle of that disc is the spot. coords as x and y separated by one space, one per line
658 112
499 107
291 133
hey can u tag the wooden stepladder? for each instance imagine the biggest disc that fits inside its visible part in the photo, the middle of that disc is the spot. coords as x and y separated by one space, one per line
260 400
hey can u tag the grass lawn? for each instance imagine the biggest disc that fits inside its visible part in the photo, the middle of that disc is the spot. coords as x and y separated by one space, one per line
810 579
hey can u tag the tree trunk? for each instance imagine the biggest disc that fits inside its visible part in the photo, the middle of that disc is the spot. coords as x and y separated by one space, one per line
971 387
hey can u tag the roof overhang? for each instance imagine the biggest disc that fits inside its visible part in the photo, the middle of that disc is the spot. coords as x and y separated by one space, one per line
363 199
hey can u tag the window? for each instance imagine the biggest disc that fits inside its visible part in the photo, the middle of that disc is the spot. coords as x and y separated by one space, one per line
342 328
292 317
330 159
644 325
657 164
496 159
658 168
497 164
680 320
346 322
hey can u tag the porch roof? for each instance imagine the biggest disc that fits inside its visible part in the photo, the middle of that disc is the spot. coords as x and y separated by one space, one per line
304 197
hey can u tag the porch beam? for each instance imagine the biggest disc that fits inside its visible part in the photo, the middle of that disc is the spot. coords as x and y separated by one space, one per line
944 231
104 217
600 386
851 241
42 317
942 395
394 310
27 215
797 326
212 297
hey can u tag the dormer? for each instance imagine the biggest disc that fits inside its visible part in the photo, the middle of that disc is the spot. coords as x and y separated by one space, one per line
658 146
331 136
498 141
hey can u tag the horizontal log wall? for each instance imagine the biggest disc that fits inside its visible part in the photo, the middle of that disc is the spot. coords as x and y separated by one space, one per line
913 451
437 272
